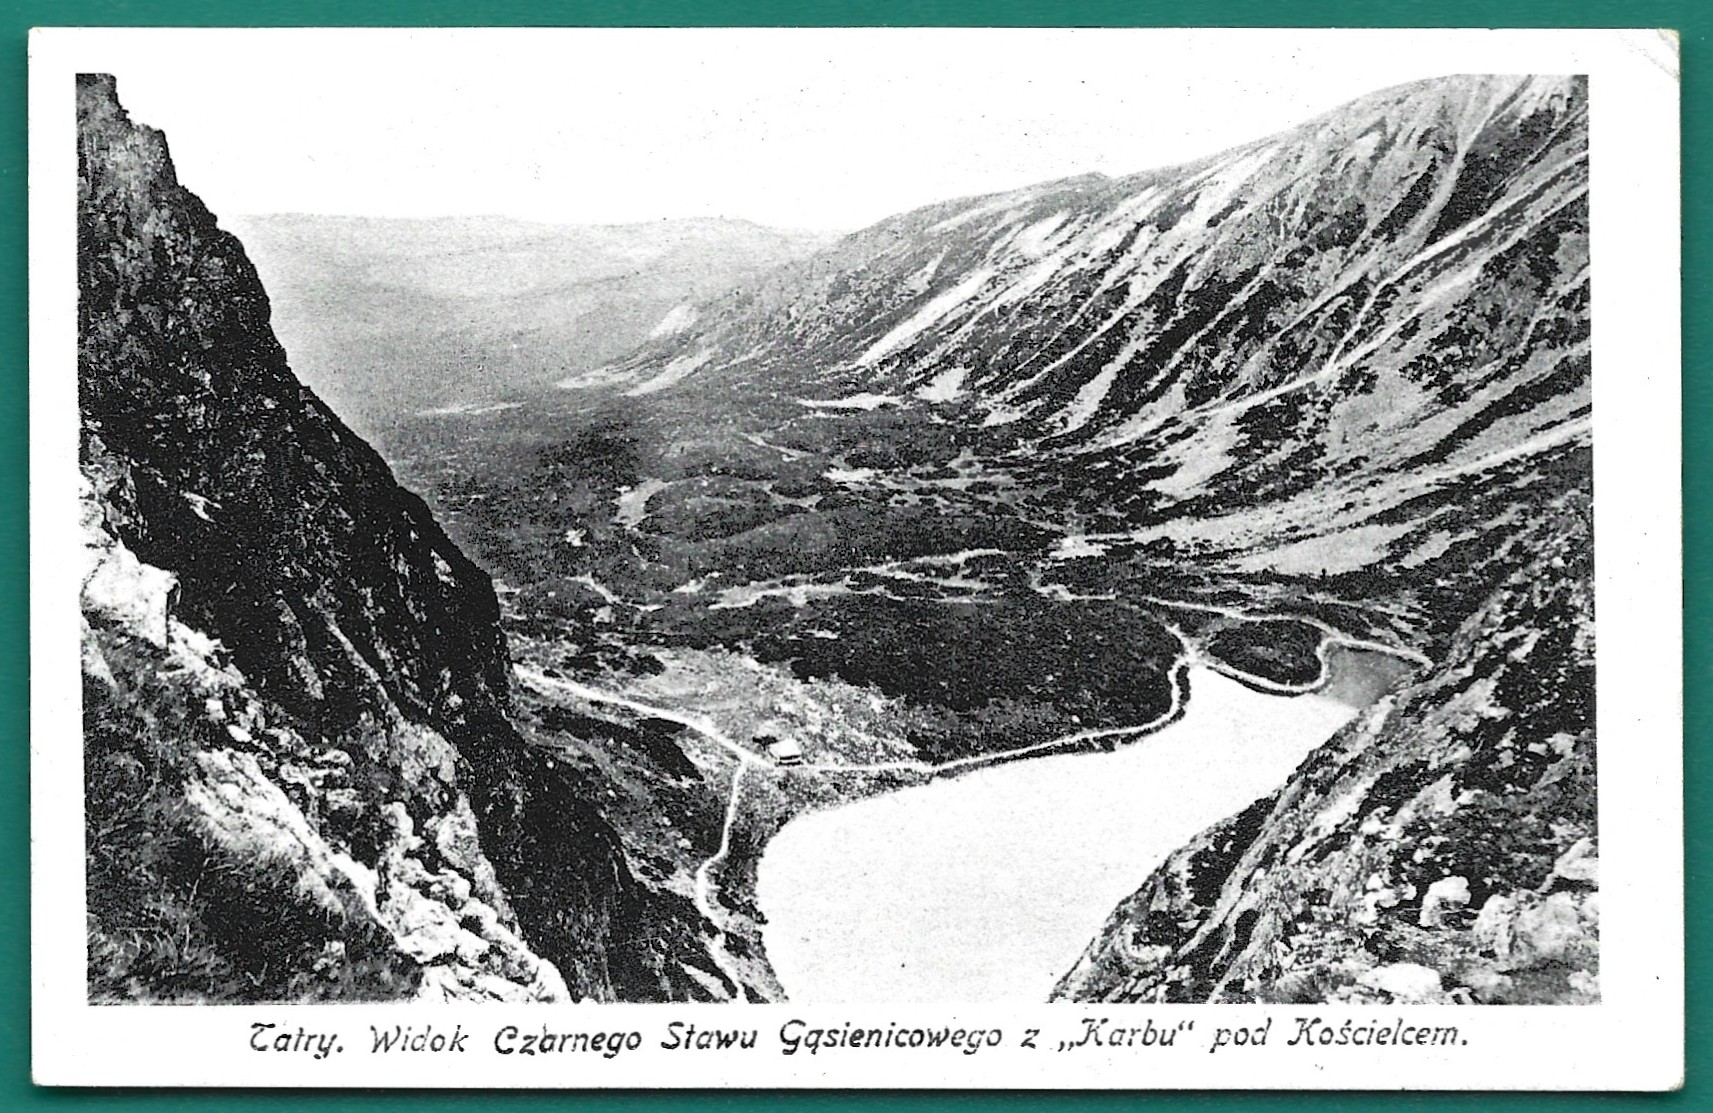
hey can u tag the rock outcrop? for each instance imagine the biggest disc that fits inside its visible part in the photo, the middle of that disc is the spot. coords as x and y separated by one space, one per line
302 781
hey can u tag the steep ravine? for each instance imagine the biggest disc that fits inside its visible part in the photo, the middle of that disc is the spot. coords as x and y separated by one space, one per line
302 780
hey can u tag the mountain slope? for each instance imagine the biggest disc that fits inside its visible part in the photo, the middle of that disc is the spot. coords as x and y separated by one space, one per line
1305 356
1324 372
1398 284
301 776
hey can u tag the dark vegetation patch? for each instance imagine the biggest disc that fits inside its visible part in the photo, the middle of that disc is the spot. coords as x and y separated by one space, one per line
1211 865
173 916
959 656
976 677
1411 205
1279 650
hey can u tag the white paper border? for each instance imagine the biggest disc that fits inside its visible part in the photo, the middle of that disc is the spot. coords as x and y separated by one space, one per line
1632 1040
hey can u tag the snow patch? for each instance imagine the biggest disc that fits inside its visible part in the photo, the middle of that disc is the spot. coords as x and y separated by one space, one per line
1430 549
596 377
1034 278
1224 182
1087 402
936 309
919 282
471 409
1199 458
1343 551
863 401
947 386
632 502
677 319
199 505
1075 546
1035 240
998 414
996 205
443 570
798 595
676 371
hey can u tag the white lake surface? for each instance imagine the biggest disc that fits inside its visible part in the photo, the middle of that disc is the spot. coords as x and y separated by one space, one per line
987 886
633 502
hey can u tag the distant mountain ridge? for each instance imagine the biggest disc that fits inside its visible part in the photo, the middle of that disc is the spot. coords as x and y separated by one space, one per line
389 317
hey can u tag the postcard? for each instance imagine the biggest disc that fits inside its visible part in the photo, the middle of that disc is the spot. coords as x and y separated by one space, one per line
856 558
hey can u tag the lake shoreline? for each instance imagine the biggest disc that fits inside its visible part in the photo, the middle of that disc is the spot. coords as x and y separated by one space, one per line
786 873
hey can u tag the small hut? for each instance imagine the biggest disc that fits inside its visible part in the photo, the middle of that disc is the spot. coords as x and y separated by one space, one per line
783 751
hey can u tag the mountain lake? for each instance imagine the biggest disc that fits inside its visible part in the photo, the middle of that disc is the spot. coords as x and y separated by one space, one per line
985 887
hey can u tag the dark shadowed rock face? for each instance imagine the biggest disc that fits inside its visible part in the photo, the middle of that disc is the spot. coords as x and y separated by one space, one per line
302 780
1441 848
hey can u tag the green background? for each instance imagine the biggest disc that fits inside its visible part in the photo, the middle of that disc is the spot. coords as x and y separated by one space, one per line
1695 21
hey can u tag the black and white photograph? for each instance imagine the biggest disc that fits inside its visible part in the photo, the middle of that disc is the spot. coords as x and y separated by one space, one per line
1036 556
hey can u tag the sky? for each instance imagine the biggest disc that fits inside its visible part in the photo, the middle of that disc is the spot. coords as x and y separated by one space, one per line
795 129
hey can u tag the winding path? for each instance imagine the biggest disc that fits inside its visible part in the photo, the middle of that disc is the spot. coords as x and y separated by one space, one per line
702 891
1330 635
703 887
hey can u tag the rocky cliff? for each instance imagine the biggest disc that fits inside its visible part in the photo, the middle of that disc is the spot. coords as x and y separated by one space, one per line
301 778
